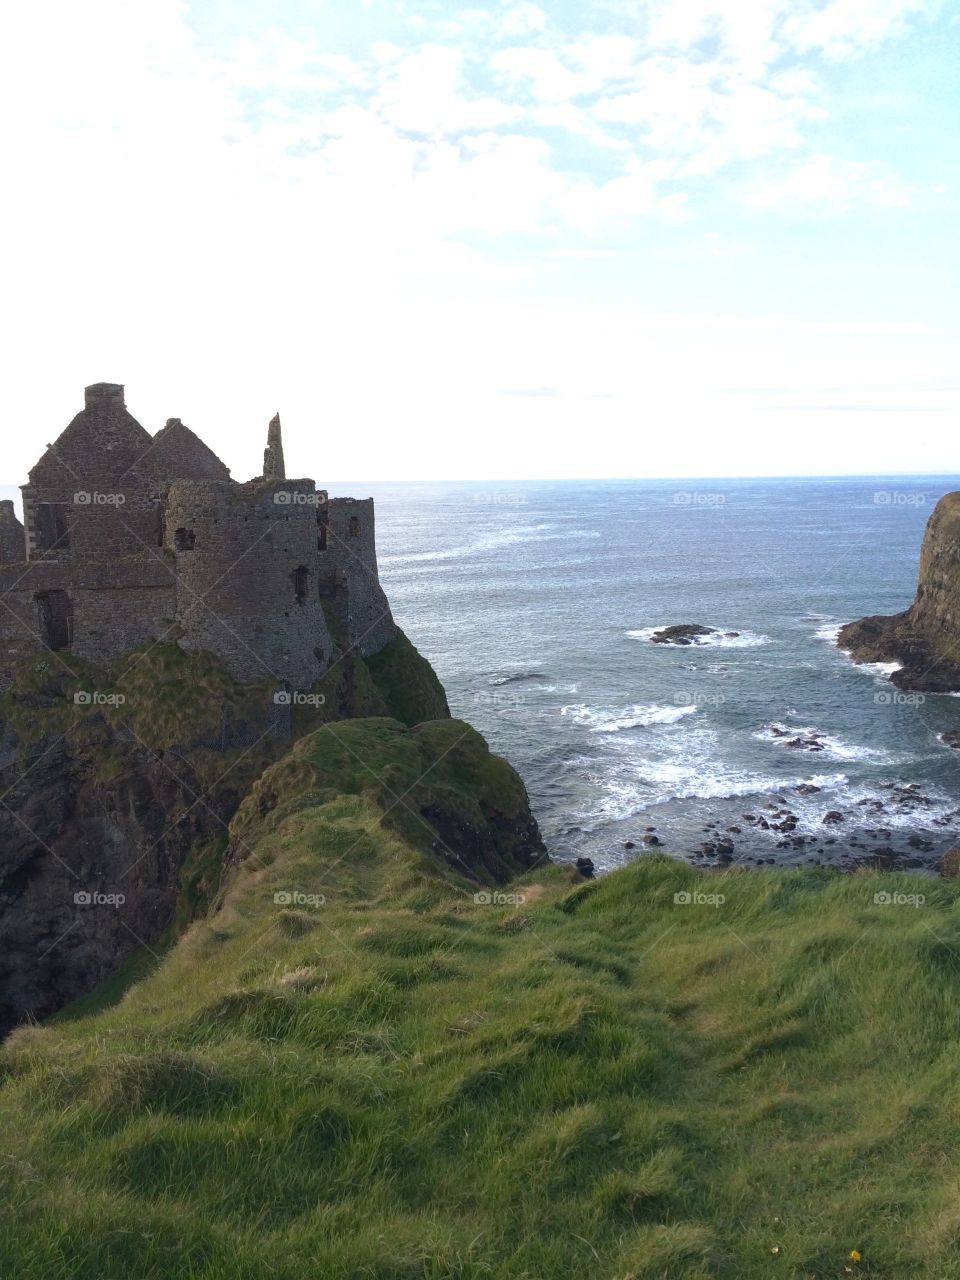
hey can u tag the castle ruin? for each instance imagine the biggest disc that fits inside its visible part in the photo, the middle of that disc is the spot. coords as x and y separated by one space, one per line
130 539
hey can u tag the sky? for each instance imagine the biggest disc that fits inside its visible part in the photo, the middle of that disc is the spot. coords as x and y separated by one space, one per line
575 238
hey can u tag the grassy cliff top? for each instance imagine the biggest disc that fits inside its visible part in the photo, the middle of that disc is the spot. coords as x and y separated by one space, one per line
357 1068
161 697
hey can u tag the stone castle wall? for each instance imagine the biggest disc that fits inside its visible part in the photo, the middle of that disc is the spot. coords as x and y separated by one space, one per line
245 559
130 538
107 609
350 561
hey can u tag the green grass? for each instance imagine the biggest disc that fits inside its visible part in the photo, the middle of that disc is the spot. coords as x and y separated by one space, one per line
409 685
438 780
402 1083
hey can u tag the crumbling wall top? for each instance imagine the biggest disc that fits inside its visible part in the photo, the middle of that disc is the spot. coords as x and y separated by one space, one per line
274 467
103 393
179 454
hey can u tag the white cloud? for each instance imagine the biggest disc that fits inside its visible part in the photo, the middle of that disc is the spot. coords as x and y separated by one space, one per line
843 28
637 192
520 19
427 93
223 224
542 72
755 32
827 185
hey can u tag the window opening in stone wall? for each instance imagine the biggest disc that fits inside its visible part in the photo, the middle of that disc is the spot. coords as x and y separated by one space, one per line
53 532
299 577
56 619
354 526
184 539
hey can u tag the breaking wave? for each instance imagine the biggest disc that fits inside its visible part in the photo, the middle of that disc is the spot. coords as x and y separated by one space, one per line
719 639
635 717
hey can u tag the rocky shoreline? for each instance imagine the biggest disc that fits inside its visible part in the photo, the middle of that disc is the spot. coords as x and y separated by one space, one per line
867 832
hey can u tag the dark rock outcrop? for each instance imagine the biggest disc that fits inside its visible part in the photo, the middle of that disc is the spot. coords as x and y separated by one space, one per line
681 633
924 639
90 861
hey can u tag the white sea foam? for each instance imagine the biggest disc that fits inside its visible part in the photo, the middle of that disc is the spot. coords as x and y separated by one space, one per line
491 542
882 670
784 734
899 812
664 781
719 639
609 720
660 782
517 677
829 632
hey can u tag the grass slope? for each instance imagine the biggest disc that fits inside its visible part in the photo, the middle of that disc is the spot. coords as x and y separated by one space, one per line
402 1083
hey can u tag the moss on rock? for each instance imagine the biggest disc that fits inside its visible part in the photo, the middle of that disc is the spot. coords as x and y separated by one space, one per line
438 785
408 683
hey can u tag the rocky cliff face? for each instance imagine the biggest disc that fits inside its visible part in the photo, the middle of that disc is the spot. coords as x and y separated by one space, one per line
118 789
90 863
924 639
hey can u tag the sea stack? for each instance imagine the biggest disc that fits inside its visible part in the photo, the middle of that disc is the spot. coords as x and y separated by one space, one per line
924 639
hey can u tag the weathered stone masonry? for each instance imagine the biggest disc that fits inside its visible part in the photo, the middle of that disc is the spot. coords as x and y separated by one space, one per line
129 538
12 537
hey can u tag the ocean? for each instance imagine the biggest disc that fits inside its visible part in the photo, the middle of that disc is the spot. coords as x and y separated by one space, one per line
535 602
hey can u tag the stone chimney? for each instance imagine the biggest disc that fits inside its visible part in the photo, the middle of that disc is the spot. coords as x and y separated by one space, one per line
273 466
103 395
13 545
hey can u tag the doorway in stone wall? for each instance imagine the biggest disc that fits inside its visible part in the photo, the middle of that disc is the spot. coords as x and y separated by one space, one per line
56 619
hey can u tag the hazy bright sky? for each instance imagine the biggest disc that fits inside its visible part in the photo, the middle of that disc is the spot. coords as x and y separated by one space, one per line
568 238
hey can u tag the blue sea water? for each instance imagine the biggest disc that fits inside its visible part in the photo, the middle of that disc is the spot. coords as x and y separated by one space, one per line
535 602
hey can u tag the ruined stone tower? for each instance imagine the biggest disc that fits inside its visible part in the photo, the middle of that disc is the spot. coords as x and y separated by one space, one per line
273 465
130 538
